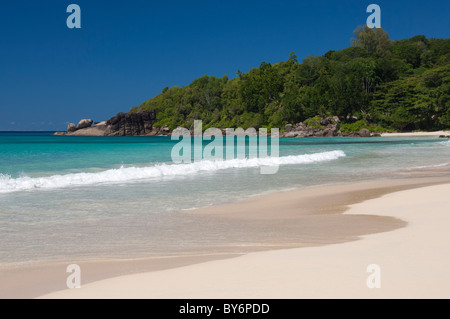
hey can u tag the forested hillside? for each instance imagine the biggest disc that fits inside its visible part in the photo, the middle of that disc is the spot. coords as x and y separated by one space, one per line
375 83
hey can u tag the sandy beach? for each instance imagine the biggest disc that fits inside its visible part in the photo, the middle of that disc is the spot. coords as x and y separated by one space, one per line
413 256
417 134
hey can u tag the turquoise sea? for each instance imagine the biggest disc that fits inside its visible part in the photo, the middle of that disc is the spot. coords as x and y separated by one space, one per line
67 197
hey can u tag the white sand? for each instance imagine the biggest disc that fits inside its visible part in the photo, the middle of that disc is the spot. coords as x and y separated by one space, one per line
417 134
414 262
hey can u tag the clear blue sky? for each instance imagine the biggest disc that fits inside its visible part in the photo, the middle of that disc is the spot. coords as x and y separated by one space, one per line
127 51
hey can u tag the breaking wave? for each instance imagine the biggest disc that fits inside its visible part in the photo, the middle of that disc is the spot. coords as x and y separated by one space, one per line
130 174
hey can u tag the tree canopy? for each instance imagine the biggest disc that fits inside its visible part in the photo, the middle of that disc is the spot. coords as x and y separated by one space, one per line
400 85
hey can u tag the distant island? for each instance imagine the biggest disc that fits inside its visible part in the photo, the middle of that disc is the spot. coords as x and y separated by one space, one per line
376 85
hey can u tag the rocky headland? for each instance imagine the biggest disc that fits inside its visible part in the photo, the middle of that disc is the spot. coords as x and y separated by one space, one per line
142 124
123 124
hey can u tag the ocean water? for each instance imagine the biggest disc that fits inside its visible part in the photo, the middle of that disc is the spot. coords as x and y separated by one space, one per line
63 198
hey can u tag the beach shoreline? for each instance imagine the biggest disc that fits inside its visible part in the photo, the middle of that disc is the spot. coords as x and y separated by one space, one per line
413 260
417 134
317 210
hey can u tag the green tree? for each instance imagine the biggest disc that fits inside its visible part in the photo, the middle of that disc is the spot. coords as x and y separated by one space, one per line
374 41
292 58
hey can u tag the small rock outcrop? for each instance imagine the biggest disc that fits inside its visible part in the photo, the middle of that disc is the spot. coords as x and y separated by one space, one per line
129 124
133 124
327 127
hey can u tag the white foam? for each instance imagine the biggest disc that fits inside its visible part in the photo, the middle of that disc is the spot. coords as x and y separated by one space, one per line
129 174
431 166
446 143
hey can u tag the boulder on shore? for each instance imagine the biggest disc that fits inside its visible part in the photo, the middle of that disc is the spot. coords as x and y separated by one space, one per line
288 128
91 131
364 133
132 124
84 124
71 127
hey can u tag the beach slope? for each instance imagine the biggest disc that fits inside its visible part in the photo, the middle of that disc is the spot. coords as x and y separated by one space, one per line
413 261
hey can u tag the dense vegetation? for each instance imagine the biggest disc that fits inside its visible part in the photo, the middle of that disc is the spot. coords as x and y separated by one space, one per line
376 83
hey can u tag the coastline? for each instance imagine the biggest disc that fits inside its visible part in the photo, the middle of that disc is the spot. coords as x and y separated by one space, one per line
413 260
315 213
95 132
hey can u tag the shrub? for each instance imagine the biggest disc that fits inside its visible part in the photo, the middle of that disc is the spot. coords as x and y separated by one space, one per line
355 127
314 123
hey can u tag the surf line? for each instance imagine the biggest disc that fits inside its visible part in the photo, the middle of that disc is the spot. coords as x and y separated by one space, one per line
235 145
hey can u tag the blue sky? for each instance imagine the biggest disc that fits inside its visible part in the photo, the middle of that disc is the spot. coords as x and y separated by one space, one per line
127 51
